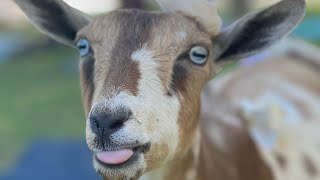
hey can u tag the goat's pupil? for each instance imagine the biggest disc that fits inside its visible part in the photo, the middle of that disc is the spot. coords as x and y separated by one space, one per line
81 47
84 47
199 55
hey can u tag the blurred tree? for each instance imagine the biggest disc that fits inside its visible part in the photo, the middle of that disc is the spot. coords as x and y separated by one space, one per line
150 5
240 7
137 4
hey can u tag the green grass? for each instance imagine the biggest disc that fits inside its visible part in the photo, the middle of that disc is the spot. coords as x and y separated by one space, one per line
39 98
313 10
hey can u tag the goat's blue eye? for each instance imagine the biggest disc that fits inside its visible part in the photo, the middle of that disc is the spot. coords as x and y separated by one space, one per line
199 55
84 47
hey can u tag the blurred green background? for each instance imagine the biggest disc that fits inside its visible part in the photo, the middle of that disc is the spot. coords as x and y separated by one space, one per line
39 84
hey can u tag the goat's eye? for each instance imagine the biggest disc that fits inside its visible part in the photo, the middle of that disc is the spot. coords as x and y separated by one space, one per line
84 47
199 55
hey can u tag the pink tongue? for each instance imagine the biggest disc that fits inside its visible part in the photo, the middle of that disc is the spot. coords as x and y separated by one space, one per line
115 157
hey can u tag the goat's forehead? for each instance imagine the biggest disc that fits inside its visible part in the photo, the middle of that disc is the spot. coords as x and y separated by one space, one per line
141 27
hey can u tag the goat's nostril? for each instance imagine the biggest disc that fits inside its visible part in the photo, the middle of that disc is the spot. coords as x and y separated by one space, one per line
94 124
119 122
116 125
107 123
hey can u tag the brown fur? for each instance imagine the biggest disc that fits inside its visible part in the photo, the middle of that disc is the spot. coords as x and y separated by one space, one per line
281 159
311 168
87 82
162 151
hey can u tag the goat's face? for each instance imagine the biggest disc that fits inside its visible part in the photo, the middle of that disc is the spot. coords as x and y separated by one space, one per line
142 73
144 85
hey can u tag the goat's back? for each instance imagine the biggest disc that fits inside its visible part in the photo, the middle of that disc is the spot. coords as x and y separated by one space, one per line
275 105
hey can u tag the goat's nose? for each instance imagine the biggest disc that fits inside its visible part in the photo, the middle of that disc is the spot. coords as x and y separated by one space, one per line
106 123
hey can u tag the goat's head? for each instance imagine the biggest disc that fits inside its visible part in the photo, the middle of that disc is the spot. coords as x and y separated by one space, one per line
142 73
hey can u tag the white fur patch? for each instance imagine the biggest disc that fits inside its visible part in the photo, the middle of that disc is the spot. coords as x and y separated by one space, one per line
182 35
191 174
277 126
265 115
156 174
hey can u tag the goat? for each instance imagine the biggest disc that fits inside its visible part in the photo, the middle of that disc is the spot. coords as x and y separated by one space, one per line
142 76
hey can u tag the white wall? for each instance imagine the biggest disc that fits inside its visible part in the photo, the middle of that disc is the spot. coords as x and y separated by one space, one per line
12 15
94 6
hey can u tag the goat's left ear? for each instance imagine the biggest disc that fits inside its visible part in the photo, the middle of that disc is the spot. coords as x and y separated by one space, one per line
55 18
258 30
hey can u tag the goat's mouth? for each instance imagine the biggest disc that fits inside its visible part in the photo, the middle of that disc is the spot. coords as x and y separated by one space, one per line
120 158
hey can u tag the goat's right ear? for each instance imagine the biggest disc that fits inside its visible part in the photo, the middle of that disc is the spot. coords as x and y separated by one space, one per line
55 18
258 30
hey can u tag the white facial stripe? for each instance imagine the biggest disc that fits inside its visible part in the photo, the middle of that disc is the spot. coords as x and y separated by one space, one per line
296 135
148 69
163 111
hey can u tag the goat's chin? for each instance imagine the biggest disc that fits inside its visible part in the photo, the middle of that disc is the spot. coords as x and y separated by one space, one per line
132 169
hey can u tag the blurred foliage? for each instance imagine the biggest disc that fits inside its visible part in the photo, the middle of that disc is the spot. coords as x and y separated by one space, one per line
40 98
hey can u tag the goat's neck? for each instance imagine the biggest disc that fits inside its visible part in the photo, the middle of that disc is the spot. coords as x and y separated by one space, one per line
204 160
195 164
